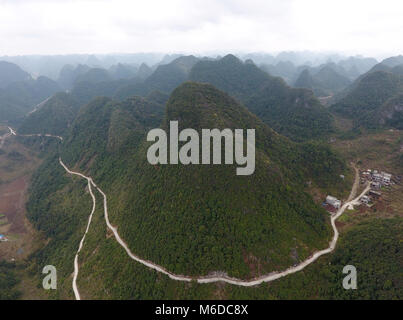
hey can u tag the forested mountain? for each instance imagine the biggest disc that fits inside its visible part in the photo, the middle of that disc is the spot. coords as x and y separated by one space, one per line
18 98
86 84
85 91
283 69
355 66
123 71
373 100
307 80
324 82
68 75
350 68
55 116
391 112
393 61
190 219
295 113
10 72
165 78
96 82
94 75
144 71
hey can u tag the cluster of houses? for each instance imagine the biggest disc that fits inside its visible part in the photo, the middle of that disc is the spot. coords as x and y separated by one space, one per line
378 179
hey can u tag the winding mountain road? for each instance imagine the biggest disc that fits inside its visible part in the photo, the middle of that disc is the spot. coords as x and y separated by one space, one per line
76 269
209 279
205 279
5 136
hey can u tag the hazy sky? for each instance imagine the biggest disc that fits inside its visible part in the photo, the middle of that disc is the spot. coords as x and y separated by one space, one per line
191 26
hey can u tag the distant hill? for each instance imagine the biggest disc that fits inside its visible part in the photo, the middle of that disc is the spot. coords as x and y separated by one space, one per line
165 78
85 91
355 66
308 81
99 82
10 72
295 113
68 75
393 61
19 98
374 99
54 117
331 79
283 69
144 71
94 75
350 68
123 71
324 82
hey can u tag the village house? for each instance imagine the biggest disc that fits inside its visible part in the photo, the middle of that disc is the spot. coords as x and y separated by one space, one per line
333 201
374 194
377 177
365 199
386 177
375 185
383 178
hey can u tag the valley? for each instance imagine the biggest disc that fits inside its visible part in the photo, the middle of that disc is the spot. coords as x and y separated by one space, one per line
17 162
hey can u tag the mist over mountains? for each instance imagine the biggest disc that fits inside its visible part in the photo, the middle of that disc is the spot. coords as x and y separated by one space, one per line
264 83
121 76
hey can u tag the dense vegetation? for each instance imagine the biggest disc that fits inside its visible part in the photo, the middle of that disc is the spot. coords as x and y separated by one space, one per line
165 78
374 247
324 82
295 113
18 98
195 219
155 205
8 281
350 68
54 117
10 72
89 83
374 101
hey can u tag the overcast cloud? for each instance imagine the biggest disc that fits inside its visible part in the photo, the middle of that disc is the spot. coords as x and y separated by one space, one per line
191 26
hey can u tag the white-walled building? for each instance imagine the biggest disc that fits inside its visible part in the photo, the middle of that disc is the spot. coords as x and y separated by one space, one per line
333 202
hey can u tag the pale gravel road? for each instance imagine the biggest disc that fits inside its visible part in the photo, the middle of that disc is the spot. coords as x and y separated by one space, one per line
209 279
205 279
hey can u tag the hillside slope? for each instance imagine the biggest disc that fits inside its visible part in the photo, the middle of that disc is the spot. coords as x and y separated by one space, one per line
54 117
10 72
368 101
19 98
189 219
201 219
326 81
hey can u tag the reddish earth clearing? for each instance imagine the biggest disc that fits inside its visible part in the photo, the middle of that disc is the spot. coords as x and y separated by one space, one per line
12 204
